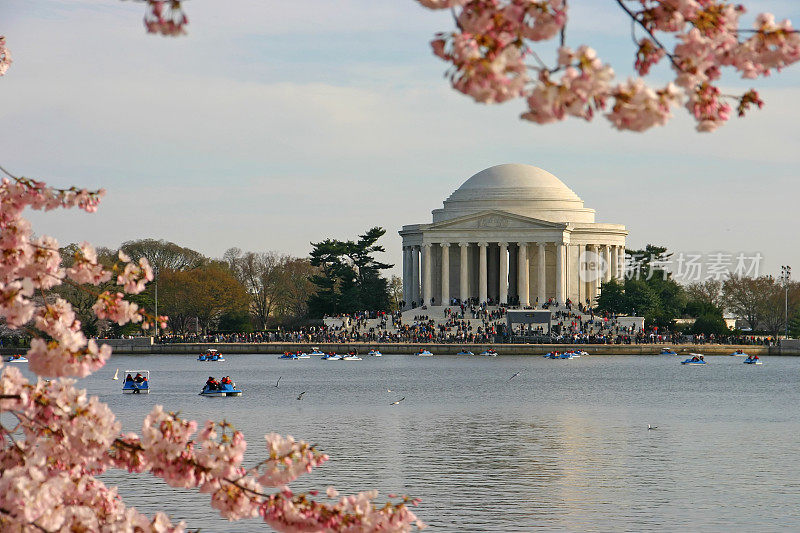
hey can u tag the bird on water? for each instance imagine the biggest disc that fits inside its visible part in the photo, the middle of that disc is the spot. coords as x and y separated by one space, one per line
398 401
300 396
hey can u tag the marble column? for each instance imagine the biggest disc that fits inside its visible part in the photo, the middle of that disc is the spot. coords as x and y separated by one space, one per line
621 262
594 273
523 278
445 273
503 273
614 262
482 276
415 274
406 275
607 266
513 269
463 280
541 276
561 282
427 286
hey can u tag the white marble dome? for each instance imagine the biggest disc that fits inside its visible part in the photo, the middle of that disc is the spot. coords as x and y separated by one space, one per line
521 189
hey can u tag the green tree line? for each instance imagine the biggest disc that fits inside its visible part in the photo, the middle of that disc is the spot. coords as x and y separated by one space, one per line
245 291
652 293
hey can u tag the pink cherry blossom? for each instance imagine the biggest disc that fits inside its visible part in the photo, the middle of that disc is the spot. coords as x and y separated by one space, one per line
493 49
85 268
637 107
5 56
165 18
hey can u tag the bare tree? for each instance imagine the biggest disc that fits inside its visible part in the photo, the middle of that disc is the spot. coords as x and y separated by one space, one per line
163 255
279 285
396 291
708 291
744 297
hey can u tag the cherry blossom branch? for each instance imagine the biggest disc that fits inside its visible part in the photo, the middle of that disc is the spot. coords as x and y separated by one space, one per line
636 20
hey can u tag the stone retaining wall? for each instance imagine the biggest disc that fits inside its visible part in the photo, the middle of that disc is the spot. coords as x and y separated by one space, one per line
452 349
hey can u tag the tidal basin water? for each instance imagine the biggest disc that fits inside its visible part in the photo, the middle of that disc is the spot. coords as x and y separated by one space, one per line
564 446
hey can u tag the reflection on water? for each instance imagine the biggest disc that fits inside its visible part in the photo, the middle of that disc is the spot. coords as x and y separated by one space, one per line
563 446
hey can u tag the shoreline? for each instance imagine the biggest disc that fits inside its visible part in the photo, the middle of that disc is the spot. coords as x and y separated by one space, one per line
129 346
145 346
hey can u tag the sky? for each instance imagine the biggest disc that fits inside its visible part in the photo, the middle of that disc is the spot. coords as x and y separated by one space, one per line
274 124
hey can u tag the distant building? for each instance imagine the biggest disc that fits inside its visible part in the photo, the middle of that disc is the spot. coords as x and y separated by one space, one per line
510 233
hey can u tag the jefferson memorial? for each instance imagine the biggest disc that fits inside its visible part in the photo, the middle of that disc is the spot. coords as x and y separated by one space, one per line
511 234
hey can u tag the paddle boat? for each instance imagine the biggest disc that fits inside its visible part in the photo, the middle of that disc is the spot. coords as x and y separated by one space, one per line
752 360
136 382
695 359
375 353
489 353
331 357
573 353
221 389
211 355
351 357
303 355
289 355
424 353
316 351
18 358
465 352
740 353
559 355
668 351
582 352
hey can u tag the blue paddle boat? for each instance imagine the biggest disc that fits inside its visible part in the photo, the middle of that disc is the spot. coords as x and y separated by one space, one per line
752 360
424 353
465 352
558 355
489 353
136 382
222 389
16 359
740 353
375 353
316 351
695 359
289 355
331 357
211 355
668 351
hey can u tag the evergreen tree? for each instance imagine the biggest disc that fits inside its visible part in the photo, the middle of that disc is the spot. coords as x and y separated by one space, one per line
350 277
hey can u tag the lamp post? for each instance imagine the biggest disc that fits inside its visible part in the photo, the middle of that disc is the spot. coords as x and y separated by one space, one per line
786 273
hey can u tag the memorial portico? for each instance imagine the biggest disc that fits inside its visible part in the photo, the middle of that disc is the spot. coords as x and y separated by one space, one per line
510 234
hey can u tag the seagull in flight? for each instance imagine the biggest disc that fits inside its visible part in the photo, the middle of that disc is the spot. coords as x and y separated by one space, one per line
512 377
649 427
279 380
398 401
300 396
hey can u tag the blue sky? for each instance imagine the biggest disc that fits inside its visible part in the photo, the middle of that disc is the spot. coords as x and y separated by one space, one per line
274 123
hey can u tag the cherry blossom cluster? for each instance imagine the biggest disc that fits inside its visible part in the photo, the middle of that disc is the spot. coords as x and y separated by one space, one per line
487 52
30 266
493 45
49 459
582 88
165 18
5 56
62 438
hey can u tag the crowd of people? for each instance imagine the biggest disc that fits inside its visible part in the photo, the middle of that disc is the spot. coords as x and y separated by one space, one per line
470 322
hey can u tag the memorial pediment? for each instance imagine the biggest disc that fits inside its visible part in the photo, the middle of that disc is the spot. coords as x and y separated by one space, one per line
495 220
